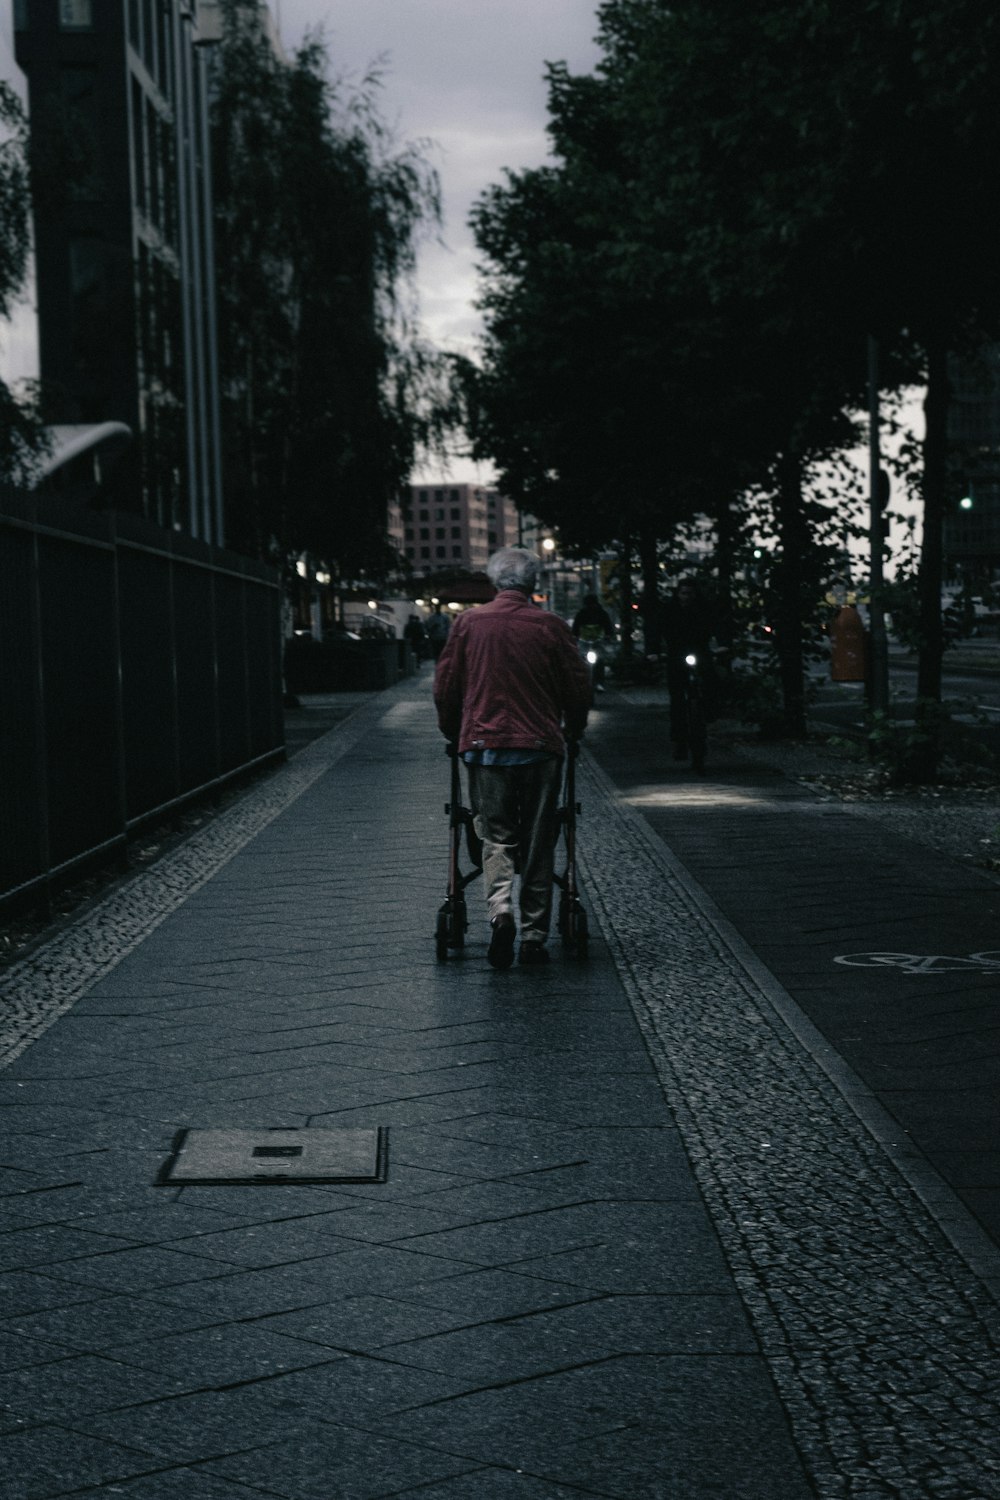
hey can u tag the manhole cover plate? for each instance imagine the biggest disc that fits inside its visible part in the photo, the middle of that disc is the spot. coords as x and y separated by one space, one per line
261 1156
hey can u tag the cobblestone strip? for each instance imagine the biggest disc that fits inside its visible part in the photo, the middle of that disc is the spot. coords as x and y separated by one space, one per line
40 988
881 1340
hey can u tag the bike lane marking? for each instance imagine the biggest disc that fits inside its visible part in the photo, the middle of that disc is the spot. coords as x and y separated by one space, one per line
915 963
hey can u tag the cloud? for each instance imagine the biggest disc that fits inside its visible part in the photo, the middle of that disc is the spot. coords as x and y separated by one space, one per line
468 77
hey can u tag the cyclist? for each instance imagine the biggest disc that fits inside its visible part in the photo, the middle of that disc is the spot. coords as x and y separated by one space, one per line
592 627
687 630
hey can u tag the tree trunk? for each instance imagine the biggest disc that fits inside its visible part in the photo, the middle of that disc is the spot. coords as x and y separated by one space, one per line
931 577
625 591
793 536
725 541
650 564
924 758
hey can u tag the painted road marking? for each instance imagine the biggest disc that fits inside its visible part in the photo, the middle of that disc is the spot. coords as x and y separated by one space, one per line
916 963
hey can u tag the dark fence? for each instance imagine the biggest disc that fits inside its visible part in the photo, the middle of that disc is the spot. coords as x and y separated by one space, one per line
333 665
138 669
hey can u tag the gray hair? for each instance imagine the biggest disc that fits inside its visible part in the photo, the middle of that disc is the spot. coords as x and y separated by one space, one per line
513 568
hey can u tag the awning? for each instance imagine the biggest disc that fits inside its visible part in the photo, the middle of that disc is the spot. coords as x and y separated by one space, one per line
70 440
471 588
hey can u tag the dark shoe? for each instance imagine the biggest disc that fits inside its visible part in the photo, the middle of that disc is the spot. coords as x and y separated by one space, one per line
533 952
501 950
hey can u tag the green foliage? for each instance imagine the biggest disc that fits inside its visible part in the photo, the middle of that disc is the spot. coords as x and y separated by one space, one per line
752 693
327 390
678 310
910 750
901 598
661 328
21 434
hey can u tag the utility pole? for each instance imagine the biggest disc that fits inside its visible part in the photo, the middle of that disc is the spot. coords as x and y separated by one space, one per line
878 644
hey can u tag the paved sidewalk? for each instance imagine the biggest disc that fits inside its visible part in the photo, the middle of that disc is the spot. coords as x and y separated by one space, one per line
635 1238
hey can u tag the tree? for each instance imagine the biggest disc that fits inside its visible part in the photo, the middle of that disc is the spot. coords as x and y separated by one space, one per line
867 133
327 391
21 433
648 350
772 186
598 397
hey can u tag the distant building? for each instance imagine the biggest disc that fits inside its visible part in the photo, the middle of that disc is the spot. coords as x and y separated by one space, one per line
118 100
972 524
19 334
440 527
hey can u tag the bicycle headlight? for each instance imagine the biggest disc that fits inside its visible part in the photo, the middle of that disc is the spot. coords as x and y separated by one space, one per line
691 660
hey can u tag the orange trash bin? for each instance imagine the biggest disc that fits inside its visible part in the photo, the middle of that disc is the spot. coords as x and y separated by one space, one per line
849 640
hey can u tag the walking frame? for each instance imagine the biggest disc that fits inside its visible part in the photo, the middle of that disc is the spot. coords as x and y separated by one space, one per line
453 917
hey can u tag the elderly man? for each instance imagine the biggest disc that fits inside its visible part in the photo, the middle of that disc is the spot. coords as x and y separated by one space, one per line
507 682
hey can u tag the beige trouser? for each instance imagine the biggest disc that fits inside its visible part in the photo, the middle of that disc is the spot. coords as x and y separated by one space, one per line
514 809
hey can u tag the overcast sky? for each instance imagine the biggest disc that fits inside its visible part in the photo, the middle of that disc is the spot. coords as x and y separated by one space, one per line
466 76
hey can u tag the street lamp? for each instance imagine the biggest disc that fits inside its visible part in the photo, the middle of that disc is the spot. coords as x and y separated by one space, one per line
548 546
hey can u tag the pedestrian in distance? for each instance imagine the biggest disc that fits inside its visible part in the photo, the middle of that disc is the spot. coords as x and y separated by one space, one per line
416 636
593 628
509 682
437 628
686 626
592 621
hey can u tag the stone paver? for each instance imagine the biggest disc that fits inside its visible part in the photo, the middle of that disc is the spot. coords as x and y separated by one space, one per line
635 1239
877 1330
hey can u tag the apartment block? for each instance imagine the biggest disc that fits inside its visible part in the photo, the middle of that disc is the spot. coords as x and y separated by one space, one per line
118 101
443 527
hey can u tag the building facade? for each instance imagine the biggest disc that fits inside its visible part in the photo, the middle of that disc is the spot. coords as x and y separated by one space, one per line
440 528
118 101
19 333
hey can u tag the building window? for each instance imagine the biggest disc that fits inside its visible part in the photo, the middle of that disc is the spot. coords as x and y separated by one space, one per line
425 552
76 15
456 531
456 515
456 551
425 534
85 255
424 516
20 15
441 551
439 515
439 533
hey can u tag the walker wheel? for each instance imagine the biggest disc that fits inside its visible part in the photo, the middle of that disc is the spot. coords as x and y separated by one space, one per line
582 933
576 931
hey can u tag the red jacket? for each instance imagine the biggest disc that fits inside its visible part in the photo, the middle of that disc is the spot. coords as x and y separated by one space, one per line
509 677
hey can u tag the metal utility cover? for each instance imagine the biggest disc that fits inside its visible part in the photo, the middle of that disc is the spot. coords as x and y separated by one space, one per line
262 1156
